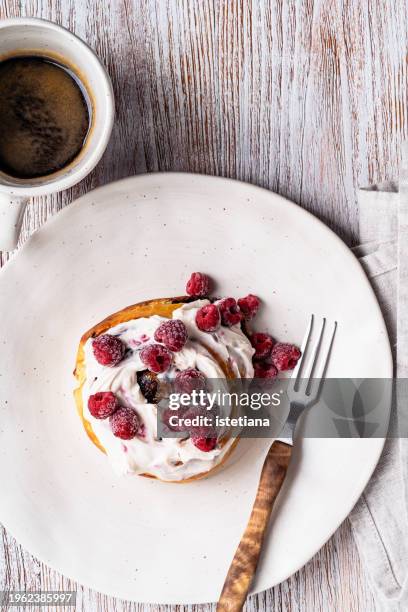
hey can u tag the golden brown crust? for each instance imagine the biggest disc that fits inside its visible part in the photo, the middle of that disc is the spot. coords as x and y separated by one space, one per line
163 307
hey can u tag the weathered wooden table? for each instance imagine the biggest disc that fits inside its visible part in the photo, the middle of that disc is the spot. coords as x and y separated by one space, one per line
307 98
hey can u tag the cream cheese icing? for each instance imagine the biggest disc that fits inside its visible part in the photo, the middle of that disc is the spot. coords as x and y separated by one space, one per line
171 459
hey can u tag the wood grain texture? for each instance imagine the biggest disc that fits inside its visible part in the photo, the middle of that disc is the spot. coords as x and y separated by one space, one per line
245 562
307 98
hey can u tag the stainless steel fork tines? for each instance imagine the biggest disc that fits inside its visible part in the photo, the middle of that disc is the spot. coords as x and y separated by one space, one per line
308 377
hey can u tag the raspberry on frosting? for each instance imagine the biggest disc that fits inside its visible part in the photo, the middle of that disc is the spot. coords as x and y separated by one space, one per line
230 314
263 369
249 305
124 423
175 423
103 404
173 334
189 380
262 344
198 285
285 356
201 422
156 358
183 420
108 350
208 318
205 444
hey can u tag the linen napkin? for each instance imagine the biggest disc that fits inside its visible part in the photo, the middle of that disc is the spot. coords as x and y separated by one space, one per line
380 520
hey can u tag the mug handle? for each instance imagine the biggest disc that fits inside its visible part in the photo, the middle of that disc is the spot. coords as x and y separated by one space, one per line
11 218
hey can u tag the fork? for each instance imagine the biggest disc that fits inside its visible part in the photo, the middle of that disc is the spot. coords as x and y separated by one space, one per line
302 393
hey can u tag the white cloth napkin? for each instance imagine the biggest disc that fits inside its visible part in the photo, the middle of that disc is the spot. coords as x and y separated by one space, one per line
380 520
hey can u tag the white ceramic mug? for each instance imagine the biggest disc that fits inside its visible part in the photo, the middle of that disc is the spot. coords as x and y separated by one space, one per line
39 37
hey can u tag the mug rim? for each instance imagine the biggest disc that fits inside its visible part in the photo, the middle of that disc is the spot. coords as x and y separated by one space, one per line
96 149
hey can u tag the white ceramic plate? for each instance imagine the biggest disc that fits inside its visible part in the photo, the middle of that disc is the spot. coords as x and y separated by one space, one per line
138 239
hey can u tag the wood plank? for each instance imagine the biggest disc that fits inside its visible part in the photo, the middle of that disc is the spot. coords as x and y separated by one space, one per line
306 98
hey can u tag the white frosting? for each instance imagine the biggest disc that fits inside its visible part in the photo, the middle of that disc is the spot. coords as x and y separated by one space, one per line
170 459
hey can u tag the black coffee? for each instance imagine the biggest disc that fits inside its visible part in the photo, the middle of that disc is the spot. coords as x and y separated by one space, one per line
45 116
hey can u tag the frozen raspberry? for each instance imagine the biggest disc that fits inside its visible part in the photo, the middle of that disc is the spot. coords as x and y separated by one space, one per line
285 356
108 350
156 357
198 285
208 318
172 334
204 427
124 423
262 344
148 384
177 422
230 315
189 380
249 305
205 444
262 369
102 404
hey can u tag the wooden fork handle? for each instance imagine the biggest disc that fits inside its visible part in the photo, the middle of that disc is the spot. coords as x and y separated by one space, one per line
245 561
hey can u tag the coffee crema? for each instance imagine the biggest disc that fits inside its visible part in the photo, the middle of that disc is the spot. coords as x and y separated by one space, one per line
45 116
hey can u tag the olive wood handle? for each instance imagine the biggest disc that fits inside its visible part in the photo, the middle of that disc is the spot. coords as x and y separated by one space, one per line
245 561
